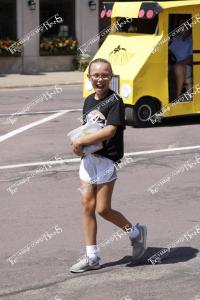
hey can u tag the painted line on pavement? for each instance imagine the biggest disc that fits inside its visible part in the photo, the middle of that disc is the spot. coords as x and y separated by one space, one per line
40 112
41 163
31 125
163 150
76 160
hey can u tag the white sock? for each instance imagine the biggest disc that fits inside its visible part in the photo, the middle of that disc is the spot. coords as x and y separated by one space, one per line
91 251
134 232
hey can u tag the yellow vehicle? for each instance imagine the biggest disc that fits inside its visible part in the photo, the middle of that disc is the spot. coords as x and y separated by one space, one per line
138 48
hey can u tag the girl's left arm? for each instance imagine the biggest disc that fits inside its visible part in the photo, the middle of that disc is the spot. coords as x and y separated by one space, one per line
94 138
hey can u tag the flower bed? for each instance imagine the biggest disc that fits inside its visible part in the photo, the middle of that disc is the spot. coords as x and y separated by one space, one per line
4 45
57 46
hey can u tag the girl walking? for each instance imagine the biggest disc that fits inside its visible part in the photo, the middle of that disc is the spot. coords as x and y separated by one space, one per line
97 171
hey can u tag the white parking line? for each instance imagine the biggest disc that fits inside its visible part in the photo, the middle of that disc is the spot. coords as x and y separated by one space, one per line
76 160
41 163
39 112
163 150
31 125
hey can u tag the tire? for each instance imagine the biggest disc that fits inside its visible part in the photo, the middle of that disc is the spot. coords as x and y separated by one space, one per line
139 114
130 119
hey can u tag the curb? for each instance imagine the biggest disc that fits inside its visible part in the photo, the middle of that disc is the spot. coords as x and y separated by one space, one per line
40 85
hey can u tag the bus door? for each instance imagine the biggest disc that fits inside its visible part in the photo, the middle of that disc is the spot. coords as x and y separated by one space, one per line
180 64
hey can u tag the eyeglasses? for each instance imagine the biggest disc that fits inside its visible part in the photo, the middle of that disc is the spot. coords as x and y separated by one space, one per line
102 76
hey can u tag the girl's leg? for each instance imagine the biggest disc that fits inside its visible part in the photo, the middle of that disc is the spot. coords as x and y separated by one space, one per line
138 232
88 202
91 260
103 206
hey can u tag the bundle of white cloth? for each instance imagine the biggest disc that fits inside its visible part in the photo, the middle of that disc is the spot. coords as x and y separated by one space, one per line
91 126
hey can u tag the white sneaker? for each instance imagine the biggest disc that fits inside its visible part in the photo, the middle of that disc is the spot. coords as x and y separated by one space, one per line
86 264
139 243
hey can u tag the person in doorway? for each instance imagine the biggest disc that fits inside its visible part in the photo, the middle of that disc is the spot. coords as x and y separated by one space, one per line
181 48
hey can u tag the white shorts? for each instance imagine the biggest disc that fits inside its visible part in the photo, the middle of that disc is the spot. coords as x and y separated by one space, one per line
96 169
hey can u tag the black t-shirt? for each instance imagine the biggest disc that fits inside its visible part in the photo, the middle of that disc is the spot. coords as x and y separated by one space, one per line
112 107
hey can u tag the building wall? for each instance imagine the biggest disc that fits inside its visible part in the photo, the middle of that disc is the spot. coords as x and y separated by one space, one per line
86 27
87 23
27 20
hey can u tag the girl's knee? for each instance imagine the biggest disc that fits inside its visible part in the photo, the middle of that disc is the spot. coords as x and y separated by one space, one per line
88 205
104 212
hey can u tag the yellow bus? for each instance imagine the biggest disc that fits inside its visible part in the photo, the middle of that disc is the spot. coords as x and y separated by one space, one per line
139 45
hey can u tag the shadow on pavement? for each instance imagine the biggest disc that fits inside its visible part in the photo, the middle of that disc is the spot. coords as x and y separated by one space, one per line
176 255
179 121
123 261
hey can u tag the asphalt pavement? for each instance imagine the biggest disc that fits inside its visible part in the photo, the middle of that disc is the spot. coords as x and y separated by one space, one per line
41 224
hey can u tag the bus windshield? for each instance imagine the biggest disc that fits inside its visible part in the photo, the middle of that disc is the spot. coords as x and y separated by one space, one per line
133 25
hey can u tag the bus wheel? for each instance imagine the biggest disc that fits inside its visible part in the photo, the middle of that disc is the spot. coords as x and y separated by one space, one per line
140 114
144 110
130 118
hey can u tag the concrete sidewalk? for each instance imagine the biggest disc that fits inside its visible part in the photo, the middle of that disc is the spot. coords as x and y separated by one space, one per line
43 79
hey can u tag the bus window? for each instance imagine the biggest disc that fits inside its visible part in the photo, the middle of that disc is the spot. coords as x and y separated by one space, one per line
180 75
133 25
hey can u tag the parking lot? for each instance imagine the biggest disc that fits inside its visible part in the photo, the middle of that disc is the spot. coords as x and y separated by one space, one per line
50 198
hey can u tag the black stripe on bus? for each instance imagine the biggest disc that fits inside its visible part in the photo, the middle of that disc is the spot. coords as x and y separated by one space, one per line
196 51
196 62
